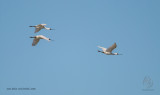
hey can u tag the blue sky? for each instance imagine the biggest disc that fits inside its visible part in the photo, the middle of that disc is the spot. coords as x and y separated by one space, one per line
71 65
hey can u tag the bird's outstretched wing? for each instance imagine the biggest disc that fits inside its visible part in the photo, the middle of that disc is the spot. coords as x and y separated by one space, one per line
111 48
35 41
104 49
37 29
42 24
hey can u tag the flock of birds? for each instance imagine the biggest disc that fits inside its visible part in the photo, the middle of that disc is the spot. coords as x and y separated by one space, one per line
107 51
38 37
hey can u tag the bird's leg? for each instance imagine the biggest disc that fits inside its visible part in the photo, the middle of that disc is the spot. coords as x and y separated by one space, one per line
99 51
32 37
32 26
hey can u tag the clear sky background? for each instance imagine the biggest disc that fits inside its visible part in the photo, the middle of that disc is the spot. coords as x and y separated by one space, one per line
71 65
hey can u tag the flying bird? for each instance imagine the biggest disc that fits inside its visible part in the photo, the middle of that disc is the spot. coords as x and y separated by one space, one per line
37 38
39 27
108 51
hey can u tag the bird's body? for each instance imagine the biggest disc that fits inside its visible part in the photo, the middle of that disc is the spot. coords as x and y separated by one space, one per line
39 27
108 51
37 38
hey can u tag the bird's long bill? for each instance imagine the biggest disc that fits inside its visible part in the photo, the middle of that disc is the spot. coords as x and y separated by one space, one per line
120 54
52 29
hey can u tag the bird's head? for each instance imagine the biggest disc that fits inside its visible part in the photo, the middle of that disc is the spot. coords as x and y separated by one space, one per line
116 54
51 29
51 39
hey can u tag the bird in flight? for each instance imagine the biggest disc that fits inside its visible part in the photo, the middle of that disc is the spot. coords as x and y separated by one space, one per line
37 38
108 51
39 27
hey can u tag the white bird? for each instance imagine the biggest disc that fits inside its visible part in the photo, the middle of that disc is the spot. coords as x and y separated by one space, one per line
37 38
109 50
39 27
